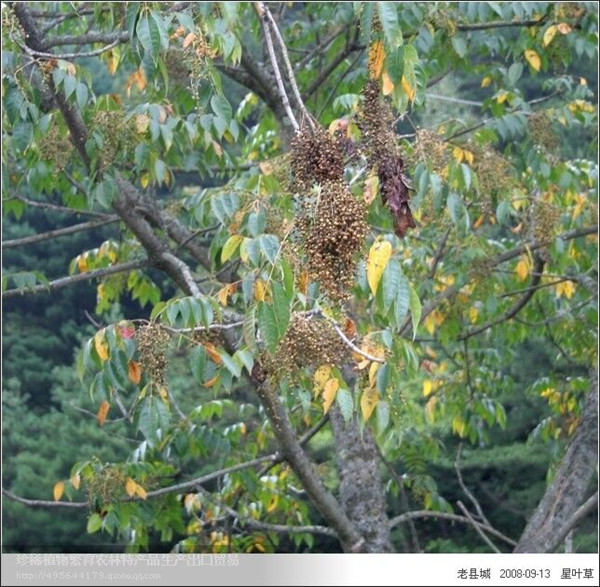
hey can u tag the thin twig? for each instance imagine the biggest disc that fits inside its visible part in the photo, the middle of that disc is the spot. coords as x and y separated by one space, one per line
477 528
66 56
350 344
269 42
57 208
290 69
464 487
51 234
66 281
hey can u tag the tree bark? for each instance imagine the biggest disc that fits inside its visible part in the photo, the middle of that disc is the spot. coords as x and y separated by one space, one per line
361 487
557 513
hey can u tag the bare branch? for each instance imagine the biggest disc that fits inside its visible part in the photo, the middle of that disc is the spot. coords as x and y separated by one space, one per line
42 503
477 528
37 238
66 281
44 55
403 518
464 487
496 24
64 209
89 38
578 516
351 345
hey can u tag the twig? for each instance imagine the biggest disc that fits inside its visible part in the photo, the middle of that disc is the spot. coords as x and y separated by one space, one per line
495 24
350 344
403 518
337 84
57 208
88 39
269 42
477 528
51 234
439 253
464 487
66 281
94 53
580 513
290 69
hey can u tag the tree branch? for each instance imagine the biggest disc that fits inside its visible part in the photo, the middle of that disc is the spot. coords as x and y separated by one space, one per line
66 281
37 238
403 518
64 209
89 38
465 489
496 24
477 528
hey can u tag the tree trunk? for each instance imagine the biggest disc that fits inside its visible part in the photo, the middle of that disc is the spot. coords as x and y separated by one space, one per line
361 488
559 510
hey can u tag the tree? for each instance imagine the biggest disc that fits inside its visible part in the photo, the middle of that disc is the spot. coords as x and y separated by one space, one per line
342 270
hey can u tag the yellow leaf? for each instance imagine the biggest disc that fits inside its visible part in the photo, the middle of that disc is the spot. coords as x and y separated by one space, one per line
566 288
371 187
427 387
75 480
145 179
582 81
486 81
388 84
321 377
479 222
230 246
189 39
140 491
533 59
368 401
225 292
134 371
376 59
101 345
459 426
112 61
429 323
502 97
137 78
373 373
103 412
130 487
211 381
473 314
563 28
58 491
549 35
261 291
212 352
458 154
82 265
303 281
142 121
272 503
408 89
379 255
522 269
329 393
430 408
468 156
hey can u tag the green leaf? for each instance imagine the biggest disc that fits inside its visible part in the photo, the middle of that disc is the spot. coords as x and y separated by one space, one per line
246 358
382 414
415 309
232 366
392 276
388 17
230 246
221 108
158 21
345 402
131 17
149 36
267 322
256 223
402 301
281 307
366 21
249 332
394 65
94 523
148 420
198 362
460 46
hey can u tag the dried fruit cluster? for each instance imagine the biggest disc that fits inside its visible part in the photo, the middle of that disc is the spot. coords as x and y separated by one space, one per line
376 124
152 343
540 129
119 134
56 148
105 486
309 342
331 221
543 220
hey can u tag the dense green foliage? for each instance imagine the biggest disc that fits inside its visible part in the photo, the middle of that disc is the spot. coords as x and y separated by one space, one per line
475 331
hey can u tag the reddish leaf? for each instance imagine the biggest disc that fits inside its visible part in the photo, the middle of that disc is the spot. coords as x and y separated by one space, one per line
103 412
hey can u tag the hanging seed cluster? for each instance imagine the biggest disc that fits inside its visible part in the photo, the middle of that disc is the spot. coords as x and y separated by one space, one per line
494 173
106 486
431 149
119 134
152 343
376 124
543 220
309 342
176 63
541 132
56 148
331 222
